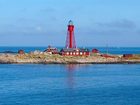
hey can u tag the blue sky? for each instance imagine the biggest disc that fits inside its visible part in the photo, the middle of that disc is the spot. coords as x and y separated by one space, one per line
44 22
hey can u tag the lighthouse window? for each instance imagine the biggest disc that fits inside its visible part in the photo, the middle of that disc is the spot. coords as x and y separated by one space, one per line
67 53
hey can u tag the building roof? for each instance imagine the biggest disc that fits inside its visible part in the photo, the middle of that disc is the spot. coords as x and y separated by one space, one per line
74 50
70 49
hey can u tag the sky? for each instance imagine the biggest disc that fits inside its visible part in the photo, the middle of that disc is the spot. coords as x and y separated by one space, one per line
114 23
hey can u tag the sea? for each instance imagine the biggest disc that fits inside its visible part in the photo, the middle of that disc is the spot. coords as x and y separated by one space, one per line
111 50
71 84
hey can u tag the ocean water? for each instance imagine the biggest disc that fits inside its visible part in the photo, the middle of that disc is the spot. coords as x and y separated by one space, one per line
111 50
34 84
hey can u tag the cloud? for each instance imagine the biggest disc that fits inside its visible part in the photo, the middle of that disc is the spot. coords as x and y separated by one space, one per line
124 23
39 28
48 10
138 31
122 27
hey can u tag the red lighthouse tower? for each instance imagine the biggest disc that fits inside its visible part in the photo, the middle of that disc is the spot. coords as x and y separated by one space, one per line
70 41
70 48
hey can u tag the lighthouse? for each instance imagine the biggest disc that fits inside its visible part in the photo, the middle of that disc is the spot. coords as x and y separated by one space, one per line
70 40
70 47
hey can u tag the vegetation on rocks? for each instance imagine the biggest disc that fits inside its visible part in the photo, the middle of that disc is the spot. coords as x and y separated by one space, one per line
46 58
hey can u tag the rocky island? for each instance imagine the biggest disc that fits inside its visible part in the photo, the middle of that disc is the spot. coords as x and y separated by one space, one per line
38 57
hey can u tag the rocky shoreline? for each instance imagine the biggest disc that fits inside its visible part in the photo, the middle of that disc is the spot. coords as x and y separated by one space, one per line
46 58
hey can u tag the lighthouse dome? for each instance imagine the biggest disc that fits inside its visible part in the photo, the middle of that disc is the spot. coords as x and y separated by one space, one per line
70 22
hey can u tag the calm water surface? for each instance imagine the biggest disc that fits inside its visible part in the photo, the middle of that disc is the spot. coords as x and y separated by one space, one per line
111 50
70 84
